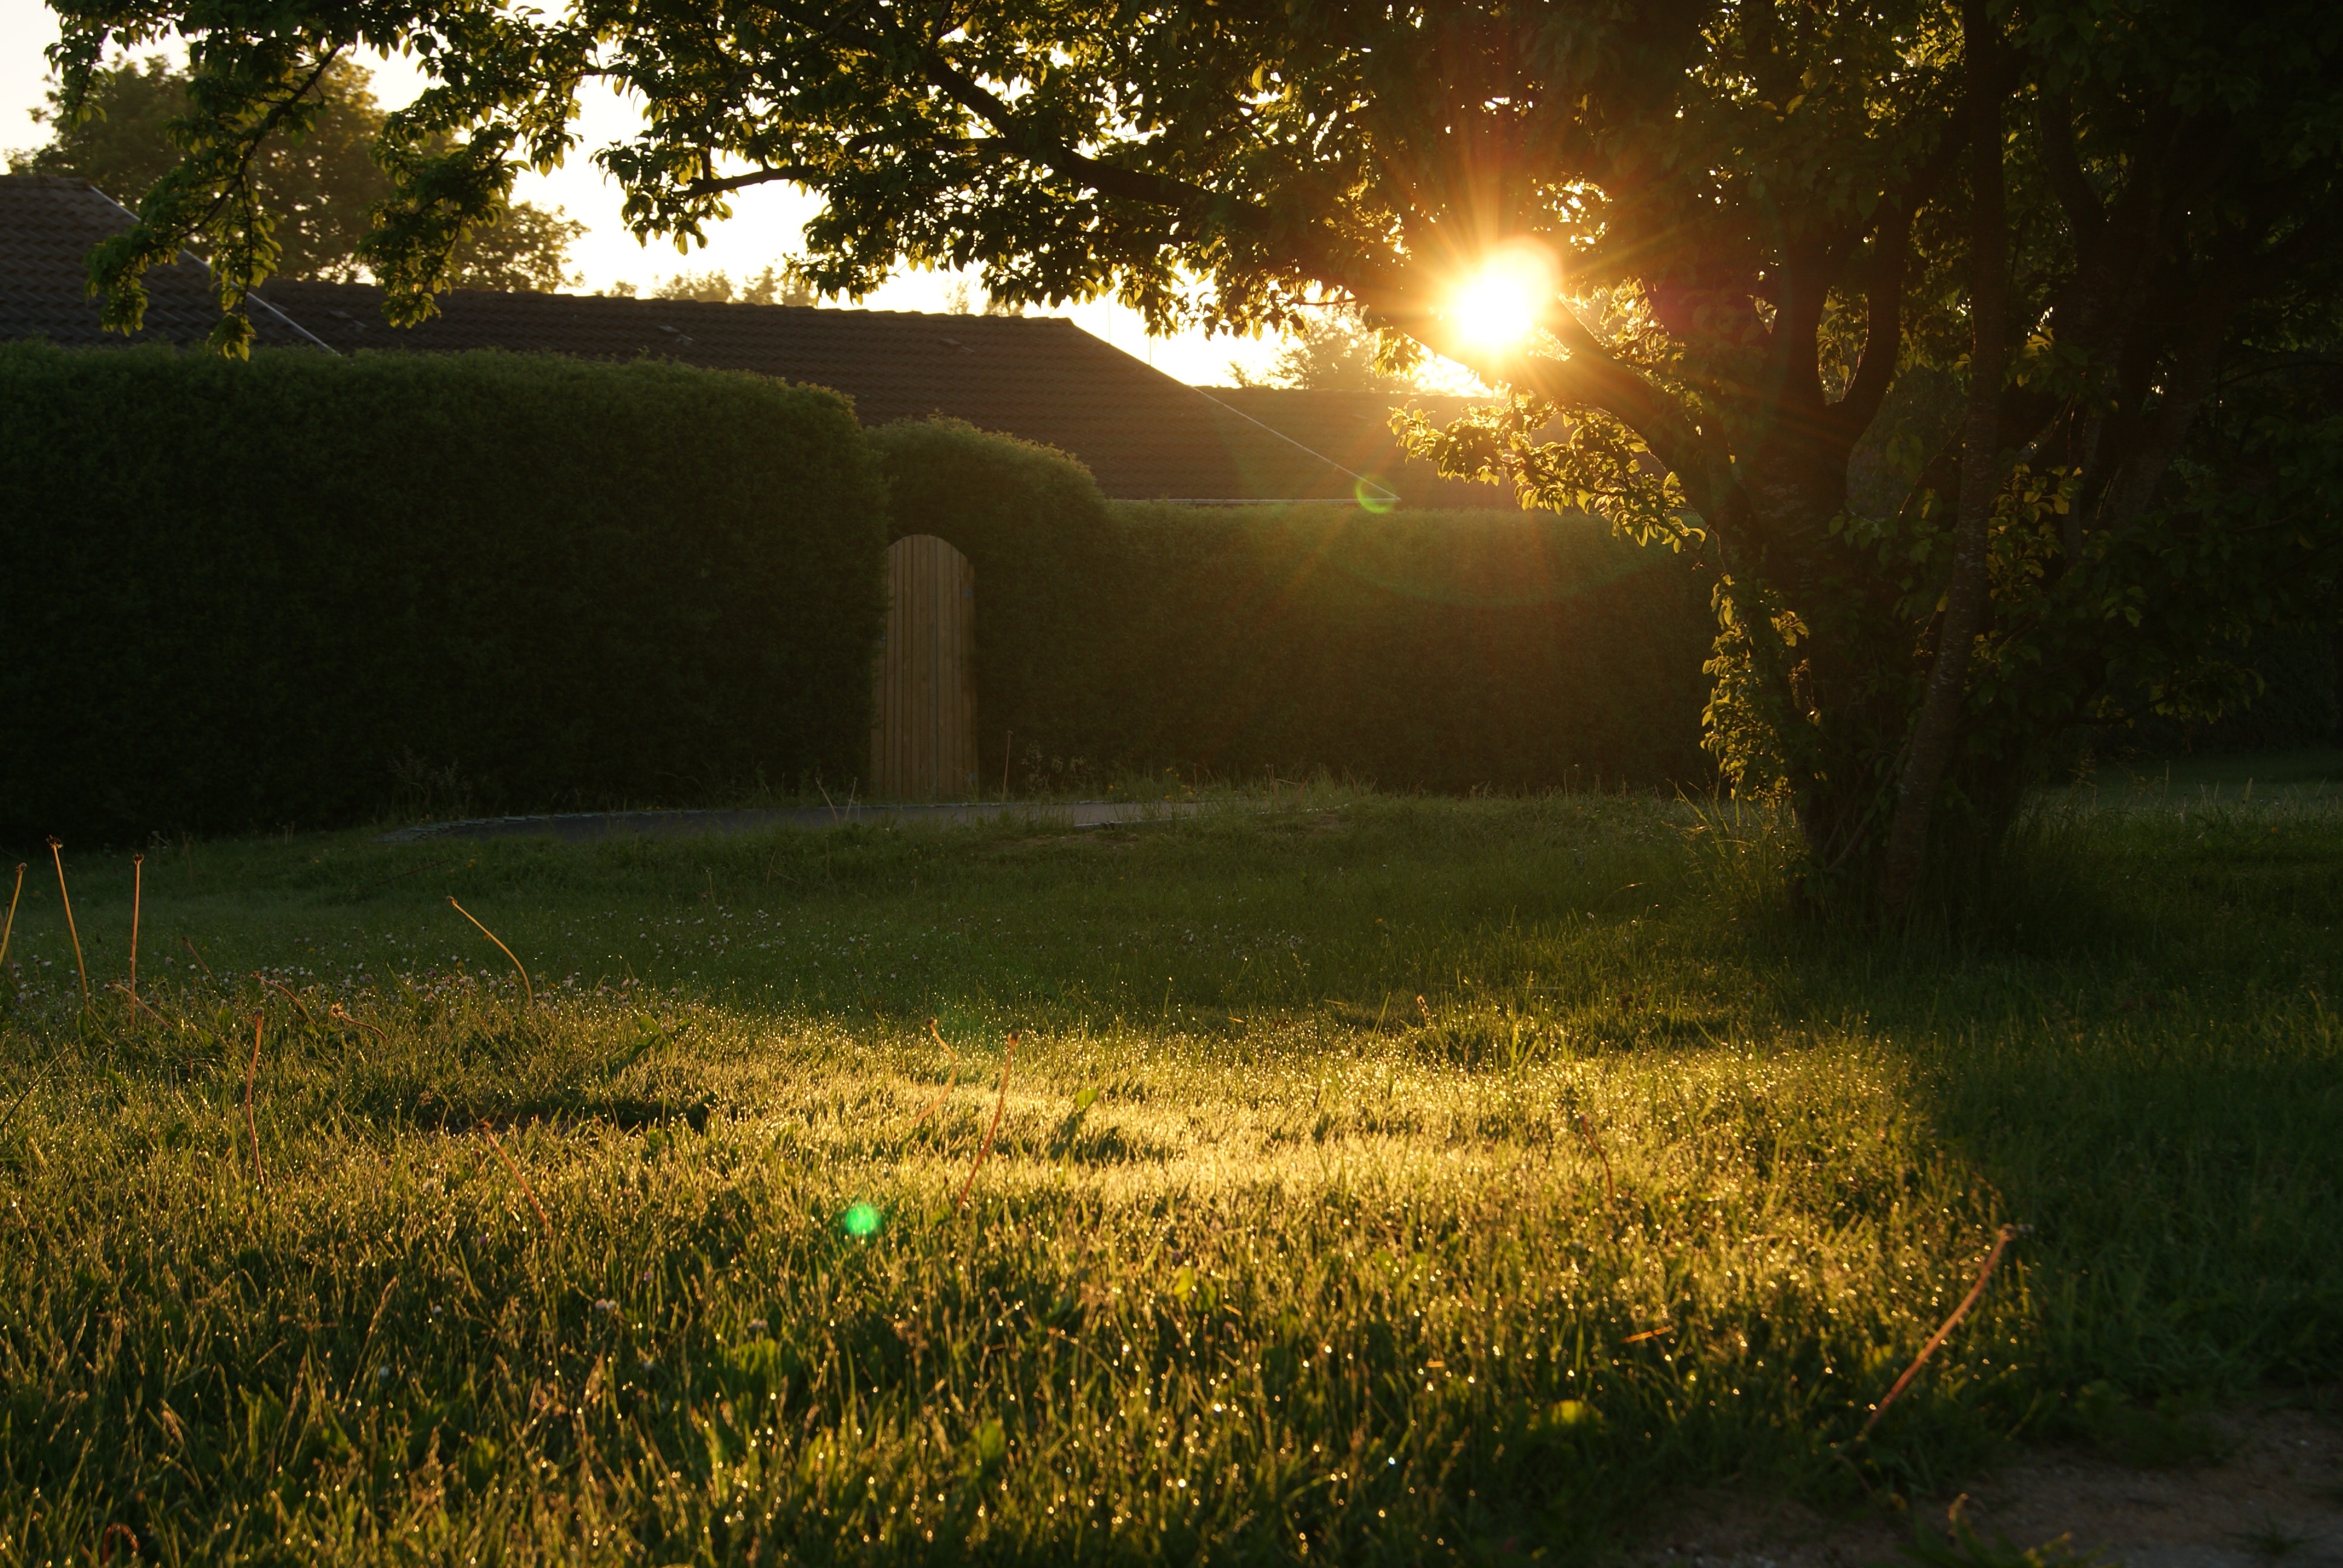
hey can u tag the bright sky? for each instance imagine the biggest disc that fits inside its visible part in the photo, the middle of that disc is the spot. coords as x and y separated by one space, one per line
763 229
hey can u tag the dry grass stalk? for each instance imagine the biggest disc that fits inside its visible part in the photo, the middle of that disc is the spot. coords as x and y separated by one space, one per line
287 991
250 1126
10 929
1008 1055
950 1084
56 853
518 1174
1610 1188
340 1014
138 1003
15 1105
1992 1260
190 946
527 990
138 893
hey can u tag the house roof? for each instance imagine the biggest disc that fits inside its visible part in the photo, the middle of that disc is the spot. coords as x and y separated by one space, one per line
1353 430
47 226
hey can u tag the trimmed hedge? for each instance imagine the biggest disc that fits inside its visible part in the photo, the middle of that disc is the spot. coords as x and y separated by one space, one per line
1431 650
285 591
1047 554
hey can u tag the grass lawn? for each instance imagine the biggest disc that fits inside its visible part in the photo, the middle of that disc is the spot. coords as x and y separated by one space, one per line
1373 1180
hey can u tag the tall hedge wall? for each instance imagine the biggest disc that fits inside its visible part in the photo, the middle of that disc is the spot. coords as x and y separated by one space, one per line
1435 650
239 595
1049 558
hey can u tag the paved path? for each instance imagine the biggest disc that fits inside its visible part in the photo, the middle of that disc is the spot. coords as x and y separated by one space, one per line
578 826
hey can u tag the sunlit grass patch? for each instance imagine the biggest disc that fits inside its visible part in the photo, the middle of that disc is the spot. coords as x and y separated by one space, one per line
1401 1178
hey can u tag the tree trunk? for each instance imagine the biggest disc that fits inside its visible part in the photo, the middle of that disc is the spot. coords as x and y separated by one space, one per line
1935 730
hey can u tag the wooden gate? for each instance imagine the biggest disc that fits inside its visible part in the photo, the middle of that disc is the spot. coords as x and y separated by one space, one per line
923 723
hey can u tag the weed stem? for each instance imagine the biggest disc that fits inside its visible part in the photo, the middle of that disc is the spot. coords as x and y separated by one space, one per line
950 1084
56 853
1008 1055
137 892
287 991
527 989
1992 1259
10 929
250 1126
518 1174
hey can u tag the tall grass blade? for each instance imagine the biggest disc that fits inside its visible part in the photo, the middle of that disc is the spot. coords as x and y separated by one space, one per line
517 1174
10 929
526 989
1008 1055
138 893
56 853
251 1072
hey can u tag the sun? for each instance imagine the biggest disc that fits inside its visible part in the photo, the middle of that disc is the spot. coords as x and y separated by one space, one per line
1498 306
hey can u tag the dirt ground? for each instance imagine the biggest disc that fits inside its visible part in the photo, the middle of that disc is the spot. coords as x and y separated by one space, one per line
2275 1498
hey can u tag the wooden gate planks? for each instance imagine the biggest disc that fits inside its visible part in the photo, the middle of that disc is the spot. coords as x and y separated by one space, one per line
923 731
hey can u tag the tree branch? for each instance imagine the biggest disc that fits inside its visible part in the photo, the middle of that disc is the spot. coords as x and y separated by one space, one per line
2054 118
1883 337
1937 728
802 174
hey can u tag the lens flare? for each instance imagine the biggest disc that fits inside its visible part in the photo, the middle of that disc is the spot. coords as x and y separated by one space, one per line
861 1221
1498 306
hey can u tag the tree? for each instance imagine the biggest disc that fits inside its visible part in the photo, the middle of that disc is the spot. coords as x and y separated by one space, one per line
1756 238
526 252
1328 354
316 190
771 286
959 300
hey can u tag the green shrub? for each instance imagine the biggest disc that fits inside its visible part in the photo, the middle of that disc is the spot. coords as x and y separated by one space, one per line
272 592
1434 650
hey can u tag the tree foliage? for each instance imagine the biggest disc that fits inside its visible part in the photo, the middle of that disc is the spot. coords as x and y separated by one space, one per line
1328 354
2008 252
317 191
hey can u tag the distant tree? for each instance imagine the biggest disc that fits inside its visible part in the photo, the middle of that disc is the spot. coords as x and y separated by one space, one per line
712 287
1330 354
771 286
528 253
962 298
316 190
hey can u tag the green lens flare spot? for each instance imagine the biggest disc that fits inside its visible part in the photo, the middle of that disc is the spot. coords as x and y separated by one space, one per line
861 1220
1373 496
